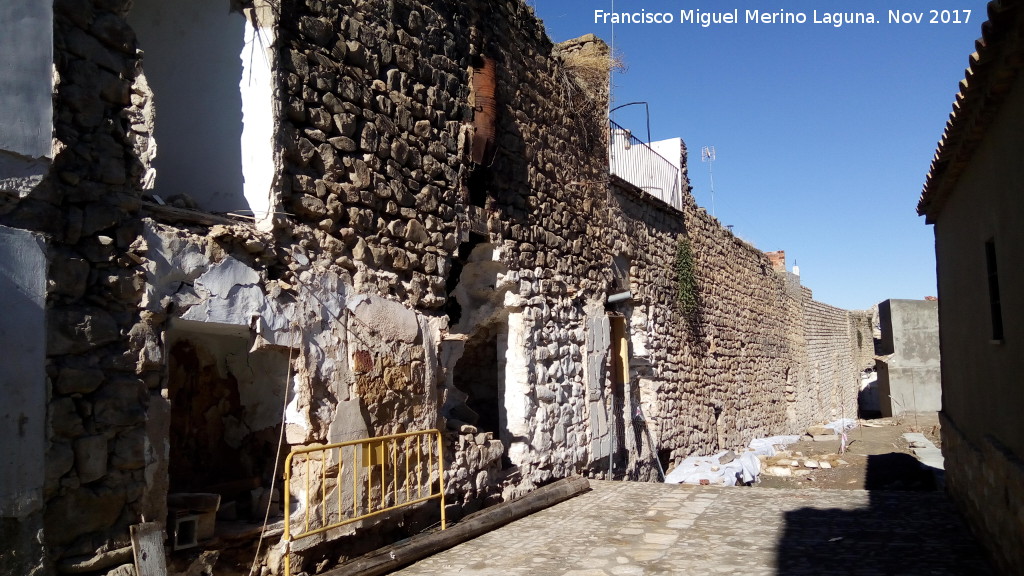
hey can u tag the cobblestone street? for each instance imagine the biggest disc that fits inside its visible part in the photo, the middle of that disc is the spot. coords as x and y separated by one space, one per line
626 528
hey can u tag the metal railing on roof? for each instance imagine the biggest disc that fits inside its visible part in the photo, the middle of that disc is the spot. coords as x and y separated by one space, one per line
638 164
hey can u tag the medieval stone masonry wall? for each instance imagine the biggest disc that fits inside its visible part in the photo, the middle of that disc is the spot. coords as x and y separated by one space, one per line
832 372
378 131
759 359
403 283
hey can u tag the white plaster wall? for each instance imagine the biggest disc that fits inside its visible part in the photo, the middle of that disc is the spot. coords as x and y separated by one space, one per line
669 150
256 88
517 387
26 64
191 60
26 90
23 386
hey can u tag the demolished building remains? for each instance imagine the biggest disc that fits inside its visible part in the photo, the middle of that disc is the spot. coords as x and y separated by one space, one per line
230 223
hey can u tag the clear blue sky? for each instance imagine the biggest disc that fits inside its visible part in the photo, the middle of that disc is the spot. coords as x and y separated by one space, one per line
824 135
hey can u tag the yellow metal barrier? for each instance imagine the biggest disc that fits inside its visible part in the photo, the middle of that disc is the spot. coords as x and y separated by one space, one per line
367 477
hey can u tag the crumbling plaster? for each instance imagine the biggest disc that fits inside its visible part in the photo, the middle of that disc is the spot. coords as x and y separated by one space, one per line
359 361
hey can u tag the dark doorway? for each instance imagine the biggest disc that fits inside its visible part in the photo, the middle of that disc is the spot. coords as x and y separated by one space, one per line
619 376
477 374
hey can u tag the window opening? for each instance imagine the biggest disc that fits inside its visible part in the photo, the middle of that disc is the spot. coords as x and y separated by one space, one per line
480 375
995 305
476 374
209 69
479 184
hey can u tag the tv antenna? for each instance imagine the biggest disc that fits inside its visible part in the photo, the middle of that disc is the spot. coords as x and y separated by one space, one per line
707 154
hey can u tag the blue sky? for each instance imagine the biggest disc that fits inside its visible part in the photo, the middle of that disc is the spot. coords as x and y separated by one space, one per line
823 134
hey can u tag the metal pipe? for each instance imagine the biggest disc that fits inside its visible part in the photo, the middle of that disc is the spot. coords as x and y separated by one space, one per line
627 295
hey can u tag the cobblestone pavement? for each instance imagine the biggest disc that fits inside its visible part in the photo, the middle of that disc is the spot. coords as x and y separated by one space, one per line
627 528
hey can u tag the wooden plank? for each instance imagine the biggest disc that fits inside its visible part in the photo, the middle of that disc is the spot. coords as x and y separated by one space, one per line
148 546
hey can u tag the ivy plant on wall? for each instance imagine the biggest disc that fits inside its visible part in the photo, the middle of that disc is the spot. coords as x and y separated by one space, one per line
686 280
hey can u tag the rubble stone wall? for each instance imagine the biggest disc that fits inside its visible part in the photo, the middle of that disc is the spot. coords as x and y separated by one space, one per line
833 376
378 129
987 484
760 357
748 330
96 462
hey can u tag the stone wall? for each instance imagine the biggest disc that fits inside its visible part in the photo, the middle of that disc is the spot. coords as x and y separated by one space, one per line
758 357
833 376
378 135
96 474
987 484
862 330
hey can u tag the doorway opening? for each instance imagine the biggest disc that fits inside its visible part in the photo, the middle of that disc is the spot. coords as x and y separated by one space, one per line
225 425
480 375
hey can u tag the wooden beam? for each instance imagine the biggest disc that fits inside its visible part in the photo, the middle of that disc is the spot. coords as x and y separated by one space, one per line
420 546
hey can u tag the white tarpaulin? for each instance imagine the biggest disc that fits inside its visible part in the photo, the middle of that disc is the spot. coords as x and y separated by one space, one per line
746 467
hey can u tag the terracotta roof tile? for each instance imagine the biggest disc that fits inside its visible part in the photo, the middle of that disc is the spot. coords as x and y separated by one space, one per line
991 71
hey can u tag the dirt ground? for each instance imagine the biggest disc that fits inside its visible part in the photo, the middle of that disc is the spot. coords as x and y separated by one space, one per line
877 458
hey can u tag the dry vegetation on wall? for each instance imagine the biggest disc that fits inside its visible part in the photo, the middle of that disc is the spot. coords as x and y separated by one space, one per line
590 70
583 79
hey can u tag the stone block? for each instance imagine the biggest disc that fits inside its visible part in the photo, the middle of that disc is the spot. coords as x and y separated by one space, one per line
129 450
121 402
69 277
78 380
90 458
60 459
76 330
64 418
80 512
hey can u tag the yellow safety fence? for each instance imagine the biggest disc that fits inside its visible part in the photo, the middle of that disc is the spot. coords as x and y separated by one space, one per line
351 481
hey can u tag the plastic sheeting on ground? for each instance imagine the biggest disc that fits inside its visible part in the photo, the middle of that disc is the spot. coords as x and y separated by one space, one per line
746 467
692 470
842 425
767 446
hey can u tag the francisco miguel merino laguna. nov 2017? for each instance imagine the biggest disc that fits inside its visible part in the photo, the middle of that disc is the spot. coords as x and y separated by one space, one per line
708 19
